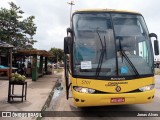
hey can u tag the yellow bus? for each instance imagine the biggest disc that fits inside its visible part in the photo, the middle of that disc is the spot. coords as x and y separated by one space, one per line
109 59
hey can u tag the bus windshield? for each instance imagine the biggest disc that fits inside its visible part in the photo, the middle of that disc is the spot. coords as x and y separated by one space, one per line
111 44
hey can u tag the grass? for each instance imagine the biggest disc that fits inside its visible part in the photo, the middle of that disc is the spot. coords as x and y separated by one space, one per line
58 70
157 71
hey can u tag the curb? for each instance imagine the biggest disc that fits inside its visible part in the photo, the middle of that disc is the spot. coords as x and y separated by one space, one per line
47 103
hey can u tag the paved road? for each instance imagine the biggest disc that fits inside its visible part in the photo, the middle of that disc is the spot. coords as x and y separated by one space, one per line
59 103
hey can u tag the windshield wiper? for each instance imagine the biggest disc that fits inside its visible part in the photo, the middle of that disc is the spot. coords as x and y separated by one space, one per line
123 54
103 52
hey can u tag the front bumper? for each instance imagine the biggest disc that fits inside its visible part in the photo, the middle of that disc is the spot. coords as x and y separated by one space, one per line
84 100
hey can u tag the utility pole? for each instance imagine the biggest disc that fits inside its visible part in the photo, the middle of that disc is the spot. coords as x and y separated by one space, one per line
71 4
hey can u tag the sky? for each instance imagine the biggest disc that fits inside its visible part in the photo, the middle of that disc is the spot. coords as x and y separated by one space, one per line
52 16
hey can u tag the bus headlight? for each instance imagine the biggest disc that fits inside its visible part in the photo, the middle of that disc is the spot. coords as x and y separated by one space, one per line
84 90
146 88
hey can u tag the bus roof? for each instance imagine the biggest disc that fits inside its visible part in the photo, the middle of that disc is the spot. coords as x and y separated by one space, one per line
106 10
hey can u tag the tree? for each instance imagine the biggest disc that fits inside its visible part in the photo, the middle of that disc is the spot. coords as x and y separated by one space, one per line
57 53
14 29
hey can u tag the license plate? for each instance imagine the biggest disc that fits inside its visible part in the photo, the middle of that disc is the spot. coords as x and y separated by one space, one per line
117 100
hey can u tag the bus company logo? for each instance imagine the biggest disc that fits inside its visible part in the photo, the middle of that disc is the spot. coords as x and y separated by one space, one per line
118 89
115 83
112 84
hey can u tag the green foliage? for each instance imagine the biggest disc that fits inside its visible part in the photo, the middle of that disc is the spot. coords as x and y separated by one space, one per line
57 53
14 29
157 71
58 70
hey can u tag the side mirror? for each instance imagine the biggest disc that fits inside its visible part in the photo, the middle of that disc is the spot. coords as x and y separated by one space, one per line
67 45
156 47
69 30
156 43
153 35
